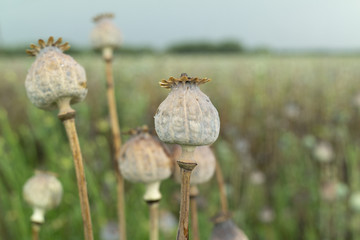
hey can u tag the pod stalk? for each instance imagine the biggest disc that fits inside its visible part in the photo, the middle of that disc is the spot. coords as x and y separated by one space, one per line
194 192
35 230
116 141
186 164
67 116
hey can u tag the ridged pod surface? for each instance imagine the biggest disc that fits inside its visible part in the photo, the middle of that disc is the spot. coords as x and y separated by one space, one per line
143 159
227 230
54 76
43 191
206 163
187 116
105 32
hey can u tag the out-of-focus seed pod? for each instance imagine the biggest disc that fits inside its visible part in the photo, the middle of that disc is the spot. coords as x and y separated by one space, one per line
143 159
323 152
106 35
187 116
309 141
167 222
54 76
266 215
292 111
205 168
333 190
257 177
110 231
42 192
225 229
354 201
356 100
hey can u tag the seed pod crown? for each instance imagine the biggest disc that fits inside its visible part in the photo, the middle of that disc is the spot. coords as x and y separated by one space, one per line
186 116
171 82
35 50
102 16
105 32
144 159
54 75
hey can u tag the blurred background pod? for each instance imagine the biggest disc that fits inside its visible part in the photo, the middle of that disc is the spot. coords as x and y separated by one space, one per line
144 159
42 192
205 168
109 231
225 229
105 35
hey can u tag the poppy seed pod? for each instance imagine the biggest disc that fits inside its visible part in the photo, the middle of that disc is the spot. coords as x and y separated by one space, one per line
54 76
225 229
105 34
143 159
42 192
205 168
354 201
187 116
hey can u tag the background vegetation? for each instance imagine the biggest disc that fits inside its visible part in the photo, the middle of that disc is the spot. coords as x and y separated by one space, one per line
274 113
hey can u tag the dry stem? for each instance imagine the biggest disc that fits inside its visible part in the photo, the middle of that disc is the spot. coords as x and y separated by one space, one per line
67 115
116 142
154 219
35 229
194 214
222 190
186 164
152 196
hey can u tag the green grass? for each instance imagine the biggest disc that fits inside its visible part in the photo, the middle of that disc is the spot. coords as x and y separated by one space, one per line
250 93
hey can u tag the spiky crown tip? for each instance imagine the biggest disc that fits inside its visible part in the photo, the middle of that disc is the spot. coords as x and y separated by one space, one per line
39 171
221 217
50 43
102 16
184 79
138 130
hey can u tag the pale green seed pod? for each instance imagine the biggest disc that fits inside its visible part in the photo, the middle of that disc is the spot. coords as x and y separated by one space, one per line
42 192
105 33
187 116
54 76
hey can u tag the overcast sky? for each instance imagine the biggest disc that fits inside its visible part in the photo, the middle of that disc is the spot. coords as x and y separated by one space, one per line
281 24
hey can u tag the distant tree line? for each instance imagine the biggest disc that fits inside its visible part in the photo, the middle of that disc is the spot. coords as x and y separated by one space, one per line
195 47
228 46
